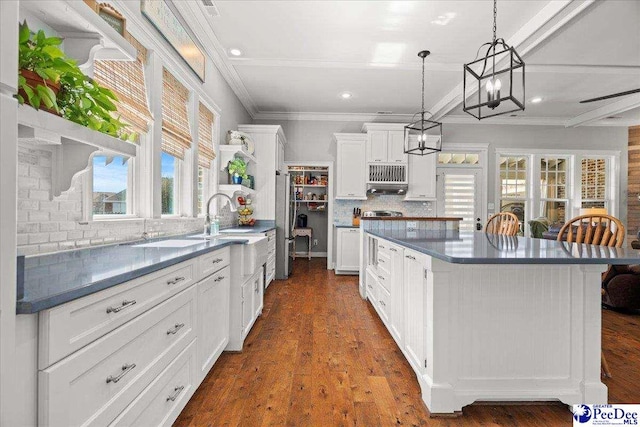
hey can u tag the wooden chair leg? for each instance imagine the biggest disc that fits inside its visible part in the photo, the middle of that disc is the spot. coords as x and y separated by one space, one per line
605 366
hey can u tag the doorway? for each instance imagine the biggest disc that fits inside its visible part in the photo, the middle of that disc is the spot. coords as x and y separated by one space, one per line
460 194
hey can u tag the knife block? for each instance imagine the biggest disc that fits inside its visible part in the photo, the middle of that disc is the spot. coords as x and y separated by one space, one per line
355 221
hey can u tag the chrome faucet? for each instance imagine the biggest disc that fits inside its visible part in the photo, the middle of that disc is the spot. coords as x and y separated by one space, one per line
207 219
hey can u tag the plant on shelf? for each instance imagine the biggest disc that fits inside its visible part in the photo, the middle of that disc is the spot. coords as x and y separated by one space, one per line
41 63
47 77
238 170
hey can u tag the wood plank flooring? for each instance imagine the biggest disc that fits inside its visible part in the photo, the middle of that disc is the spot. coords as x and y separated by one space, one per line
320 356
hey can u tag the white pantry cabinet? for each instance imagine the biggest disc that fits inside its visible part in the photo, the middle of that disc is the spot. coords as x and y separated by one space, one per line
351 175
348 256
422 178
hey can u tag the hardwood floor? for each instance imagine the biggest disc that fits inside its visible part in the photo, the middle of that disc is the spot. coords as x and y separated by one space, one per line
320 356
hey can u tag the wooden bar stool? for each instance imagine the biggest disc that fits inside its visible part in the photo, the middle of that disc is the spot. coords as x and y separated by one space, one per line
504 223
303 231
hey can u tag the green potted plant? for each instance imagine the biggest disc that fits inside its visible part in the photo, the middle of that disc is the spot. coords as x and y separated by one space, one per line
237 170
41 63
49 78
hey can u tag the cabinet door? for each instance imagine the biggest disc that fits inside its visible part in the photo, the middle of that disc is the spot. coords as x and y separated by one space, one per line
258 292
348 249
397 311
414 272
248 290
280 156
213 318
377 142
395 147
351 171
422 177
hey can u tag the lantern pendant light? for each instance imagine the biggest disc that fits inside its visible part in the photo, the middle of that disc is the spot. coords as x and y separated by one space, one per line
486 77
422 136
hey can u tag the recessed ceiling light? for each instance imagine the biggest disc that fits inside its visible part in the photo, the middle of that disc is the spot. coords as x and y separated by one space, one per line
536 100
346 95
235 52
444 19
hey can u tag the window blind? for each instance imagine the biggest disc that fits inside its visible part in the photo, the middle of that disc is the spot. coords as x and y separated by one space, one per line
126 80
176 136
206 154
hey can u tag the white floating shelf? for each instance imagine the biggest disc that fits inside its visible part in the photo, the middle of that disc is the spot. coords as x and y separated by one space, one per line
228 152
85 33
72 144
311 201
231 189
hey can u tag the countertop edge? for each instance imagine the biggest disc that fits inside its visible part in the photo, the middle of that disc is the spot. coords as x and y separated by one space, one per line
494 261
35 306
409 218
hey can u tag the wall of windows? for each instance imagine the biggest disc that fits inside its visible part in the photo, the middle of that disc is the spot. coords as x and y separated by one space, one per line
554 184
110 183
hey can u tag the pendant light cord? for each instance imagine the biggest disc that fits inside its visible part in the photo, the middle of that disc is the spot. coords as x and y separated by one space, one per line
495 29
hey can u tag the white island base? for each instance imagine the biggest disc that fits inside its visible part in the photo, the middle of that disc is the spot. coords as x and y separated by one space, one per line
490 332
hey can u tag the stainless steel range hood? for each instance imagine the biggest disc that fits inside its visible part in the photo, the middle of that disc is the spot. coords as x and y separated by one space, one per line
387 188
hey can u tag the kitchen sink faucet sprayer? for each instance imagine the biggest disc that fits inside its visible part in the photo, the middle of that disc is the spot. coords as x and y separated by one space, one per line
207 220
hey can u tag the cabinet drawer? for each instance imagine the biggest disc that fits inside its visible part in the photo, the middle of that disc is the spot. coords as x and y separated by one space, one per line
384 279
94 385
384 299
163 400
212 262
71 326
372 287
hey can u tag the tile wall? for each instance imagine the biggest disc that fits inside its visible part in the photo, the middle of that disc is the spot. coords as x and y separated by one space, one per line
343 209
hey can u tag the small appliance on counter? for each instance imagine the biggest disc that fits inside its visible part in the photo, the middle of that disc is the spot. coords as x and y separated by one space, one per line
376 214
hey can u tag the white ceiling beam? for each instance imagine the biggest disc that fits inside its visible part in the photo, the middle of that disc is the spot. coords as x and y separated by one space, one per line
450 67
535 25
626 103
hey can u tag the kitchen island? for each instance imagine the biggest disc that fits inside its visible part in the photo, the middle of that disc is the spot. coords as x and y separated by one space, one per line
483 317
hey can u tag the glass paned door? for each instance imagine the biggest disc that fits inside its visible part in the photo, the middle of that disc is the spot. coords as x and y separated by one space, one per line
461 195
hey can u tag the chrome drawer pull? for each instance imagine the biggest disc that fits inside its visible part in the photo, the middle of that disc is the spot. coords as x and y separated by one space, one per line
410 257
125 370
176 391
217 260
381 278
219 278
174 281
381 260
124 305
393 249
381 247
176 328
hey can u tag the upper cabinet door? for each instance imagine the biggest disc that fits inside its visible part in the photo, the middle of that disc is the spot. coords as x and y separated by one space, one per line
351 170
377 145
395 147
422 177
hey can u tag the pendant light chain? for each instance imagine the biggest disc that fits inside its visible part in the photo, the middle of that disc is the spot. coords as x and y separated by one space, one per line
423 86
495 20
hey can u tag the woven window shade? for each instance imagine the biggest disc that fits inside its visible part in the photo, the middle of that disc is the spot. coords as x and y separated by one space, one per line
205 137
126 80
176 136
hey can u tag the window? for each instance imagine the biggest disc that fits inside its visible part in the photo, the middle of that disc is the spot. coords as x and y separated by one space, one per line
553 189
458 158
513 185
203 181
126 80
176 139
110 183
594 183
169 166
206 153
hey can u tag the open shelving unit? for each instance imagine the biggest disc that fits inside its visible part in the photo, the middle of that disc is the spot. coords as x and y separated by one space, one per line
229 152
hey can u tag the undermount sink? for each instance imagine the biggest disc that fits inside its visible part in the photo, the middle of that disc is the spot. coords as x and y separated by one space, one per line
171 243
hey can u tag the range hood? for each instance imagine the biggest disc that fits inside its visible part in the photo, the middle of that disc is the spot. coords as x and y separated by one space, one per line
387 179
387 188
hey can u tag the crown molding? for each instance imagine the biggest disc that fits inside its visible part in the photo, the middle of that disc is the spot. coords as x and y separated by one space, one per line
328 116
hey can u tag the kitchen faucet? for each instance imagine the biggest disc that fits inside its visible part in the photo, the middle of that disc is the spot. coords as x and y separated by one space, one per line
207 220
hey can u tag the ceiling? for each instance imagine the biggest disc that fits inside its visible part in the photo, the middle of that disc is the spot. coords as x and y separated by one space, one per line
299 56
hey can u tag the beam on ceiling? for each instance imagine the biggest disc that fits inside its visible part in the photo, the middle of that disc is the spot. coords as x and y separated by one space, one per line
535 25
625 104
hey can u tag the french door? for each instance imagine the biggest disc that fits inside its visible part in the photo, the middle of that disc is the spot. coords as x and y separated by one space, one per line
460 195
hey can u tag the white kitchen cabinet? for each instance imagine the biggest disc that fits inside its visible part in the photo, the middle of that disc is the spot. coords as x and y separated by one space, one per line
377 143
252 301
395 147
351 173
422 178
258 293
348 256
213 318
415 278
281 167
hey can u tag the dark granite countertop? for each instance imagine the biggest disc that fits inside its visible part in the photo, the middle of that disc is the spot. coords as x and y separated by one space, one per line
46 281
345 226
482 248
